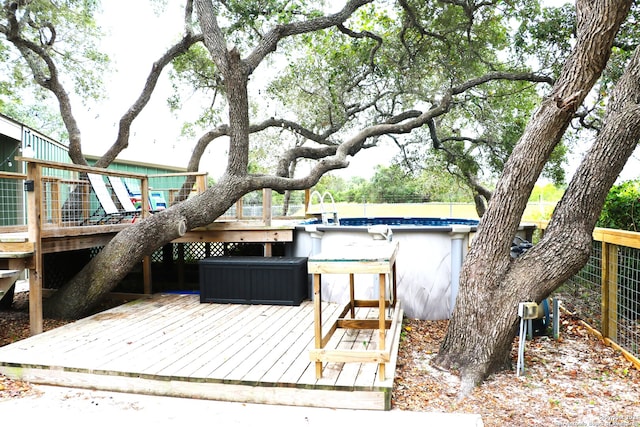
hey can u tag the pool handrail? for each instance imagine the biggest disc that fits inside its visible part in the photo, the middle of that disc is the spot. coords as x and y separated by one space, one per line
325 215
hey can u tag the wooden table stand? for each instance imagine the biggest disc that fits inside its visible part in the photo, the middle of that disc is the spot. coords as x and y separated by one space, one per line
377 257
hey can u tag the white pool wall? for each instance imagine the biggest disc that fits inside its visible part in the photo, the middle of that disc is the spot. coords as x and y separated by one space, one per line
427 266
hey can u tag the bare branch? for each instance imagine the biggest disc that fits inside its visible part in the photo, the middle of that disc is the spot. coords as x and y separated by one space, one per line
124 127
269 42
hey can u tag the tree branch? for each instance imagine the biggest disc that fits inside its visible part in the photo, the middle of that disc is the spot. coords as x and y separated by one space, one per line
413 21
214 38
124 126
270 41
47 77
403 122
502 75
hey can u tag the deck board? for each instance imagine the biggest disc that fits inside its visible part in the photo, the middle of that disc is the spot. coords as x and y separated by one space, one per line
129 352
226 336
196 336
274 349
174 345
127 335
202 341
222 360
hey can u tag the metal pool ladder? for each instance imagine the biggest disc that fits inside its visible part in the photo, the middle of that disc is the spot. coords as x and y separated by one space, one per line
326 215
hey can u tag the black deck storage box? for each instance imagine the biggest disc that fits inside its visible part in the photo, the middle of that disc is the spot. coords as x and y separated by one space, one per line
254 280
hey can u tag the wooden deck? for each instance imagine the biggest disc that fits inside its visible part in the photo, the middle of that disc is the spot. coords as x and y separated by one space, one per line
173 345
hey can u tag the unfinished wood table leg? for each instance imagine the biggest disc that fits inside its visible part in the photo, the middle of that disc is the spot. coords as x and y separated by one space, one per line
382 322
352 295
394 283
317 305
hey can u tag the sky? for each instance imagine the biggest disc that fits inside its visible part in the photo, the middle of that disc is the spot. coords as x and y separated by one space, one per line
155 136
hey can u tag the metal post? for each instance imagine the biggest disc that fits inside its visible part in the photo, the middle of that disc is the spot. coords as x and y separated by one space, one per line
523 333
556 318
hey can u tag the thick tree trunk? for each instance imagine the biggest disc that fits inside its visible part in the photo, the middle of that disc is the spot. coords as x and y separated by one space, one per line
484 320
128 247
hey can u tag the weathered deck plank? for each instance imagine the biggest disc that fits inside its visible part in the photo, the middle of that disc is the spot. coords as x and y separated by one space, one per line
130 351
72 336
215 332
173 345
199 333
274 349
254 346
292 367
225 336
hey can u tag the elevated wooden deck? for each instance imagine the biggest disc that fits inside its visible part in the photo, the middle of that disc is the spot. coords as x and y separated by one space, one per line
54 214
173 345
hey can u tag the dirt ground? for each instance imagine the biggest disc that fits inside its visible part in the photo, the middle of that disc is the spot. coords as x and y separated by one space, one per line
574 381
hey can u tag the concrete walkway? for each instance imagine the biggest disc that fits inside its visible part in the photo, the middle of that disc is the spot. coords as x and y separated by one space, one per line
77 407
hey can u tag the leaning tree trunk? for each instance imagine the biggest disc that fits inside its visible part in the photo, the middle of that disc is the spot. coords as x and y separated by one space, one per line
129 246
484 321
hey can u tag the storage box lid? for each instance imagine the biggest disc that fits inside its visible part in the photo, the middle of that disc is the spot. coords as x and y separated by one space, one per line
254 260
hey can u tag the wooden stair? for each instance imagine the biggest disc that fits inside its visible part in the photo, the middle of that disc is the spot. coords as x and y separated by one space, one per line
15 253
8 280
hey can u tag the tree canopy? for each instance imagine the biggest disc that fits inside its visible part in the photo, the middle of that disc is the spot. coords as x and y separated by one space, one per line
621 208
327 83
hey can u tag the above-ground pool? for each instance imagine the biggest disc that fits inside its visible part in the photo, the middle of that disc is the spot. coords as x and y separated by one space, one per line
401 221
430 254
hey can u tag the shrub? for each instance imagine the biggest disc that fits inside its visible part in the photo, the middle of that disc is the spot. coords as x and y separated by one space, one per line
621 208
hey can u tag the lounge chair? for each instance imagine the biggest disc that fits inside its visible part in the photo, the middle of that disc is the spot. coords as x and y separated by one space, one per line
108 212
155 200
123 197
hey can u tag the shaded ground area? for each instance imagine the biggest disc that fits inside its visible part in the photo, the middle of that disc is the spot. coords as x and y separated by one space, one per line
575 381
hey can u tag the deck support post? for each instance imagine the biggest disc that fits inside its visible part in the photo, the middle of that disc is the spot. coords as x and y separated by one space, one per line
34 196
382 336
146 275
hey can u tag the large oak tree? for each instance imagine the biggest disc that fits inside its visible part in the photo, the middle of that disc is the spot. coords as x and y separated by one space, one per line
377 92
484 322
365 98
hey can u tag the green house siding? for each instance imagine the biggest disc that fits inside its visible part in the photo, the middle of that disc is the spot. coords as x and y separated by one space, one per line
45 148
16 137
